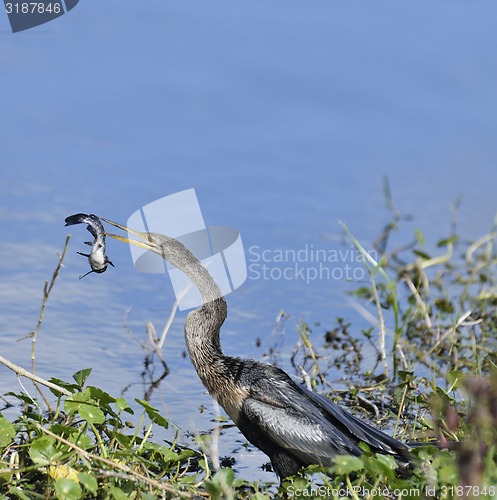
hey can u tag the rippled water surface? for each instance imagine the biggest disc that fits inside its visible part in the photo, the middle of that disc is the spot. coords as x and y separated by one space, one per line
284 117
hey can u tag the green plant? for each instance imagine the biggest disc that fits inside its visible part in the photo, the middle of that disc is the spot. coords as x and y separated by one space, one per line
432 378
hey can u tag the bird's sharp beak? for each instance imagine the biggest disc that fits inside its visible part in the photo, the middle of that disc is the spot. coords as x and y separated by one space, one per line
142 244
124 228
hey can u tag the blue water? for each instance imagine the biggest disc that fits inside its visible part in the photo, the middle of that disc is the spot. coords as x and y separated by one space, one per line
284 116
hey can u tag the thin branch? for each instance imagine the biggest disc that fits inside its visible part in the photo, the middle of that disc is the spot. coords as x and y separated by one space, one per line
377 268
419 301
447 332
309 348
46 293
24 373
170 320
477 244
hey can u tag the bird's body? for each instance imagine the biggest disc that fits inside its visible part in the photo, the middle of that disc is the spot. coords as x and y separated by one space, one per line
292 425
295 427
97 258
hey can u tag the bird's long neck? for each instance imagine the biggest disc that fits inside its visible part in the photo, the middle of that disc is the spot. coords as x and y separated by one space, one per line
202 326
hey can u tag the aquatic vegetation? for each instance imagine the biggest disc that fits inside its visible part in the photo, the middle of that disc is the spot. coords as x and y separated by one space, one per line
432 379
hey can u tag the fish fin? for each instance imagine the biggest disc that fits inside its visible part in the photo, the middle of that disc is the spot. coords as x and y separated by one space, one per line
92 230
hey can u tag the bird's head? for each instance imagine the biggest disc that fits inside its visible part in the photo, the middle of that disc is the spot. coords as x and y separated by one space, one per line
177 254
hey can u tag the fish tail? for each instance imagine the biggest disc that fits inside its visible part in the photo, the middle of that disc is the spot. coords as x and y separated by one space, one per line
76 219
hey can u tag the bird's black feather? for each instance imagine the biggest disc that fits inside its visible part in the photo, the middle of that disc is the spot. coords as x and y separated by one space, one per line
297 427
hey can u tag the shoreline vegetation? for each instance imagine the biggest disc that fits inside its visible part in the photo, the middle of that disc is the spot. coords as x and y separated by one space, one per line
433 379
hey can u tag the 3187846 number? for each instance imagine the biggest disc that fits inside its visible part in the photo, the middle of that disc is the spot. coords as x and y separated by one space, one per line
33 8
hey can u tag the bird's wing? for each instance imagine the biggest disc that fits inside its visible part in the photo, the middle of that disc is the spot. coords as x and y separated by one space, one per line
294 422
309 425
305 438
375 438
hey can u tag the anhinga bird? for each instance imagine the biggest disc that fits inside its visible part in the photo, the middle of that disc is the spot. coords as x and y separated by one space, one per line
295 427
97 258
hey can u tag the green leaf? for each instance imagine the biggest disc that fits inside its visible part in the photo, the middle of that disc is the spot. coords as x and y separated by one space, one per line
87 407
63 430
166 453
43 451
226 475
187 453
420 237
447 241
72 434
123 439
7 432
92 414
21 397
345 464
99 395
72 405
454 378
63 384
122 405
153 413
89 482
81 376
387 460
448 473
118 494
421 254
16 492
365 448
67 489
362 292
492 366
220 418
444 305
82 440
217 485
428 422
